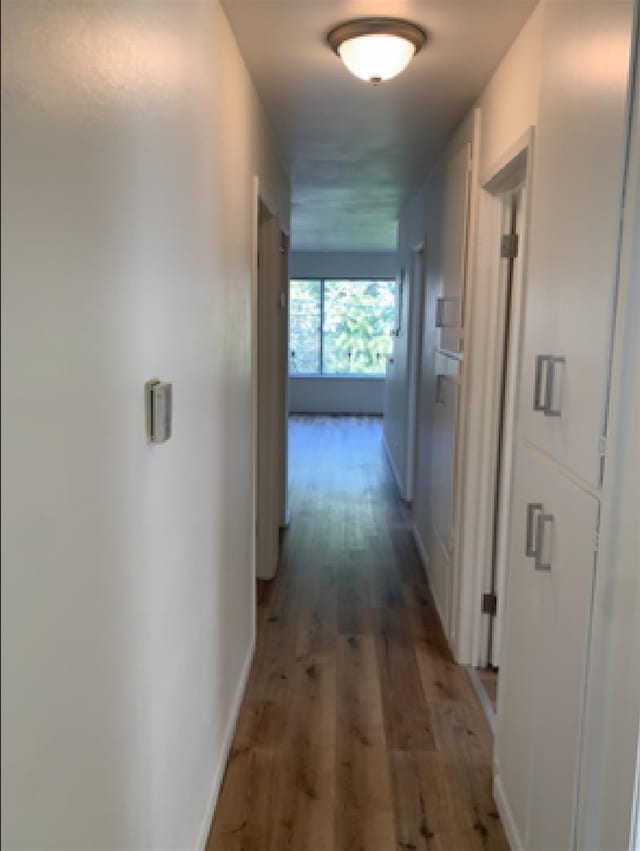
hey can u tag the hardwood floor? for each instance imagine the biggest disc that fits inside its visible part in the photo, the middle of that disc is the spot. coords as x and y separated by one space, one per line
357 732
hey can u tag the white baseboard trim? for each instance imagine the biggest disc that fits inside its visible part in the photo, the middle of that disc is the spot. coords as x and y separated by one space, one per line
506 816
229 733
392 464
422 550
483 698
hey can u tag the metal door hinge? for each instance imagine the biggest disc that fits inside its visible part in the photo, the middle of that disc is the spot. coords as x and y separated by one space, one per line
509 245
603 445
489 604
596 542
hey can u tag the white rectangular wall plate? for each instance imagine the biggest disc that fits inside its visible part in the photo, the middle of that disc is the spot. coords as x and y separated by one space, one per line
159 410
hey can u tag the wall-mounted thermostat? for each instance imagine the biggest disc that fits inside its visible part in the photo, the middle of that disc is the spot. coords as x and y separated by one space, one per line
159 408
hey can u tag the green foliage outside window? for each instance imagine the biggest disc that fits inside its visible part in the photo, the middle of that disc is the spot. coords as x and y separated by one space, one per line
340 327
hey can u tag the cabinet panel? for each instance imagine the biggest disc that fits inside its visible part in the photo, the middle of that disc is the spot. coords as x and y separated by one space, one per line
269 464
454 249
520 670
566 592
577 193
545 650
443 447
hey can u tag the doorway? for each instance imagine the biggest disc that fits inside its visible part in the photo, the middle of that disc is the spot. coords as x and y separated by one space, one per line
507 355
510 274
270 365
501 263
416 311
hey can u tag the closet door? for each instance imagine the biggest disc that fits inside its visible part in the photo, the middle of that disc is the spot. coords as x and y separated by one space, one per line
269 413
454 250
551 574
520 669
443 471
577 179
567 544
444 446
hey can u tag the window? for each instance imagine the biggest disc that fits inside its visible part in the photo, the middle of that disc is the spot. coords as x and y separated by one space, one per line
305 326
340 327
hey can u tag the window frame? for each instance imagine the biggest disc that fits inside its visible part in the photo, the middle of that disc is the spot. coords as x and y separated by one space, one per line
366 376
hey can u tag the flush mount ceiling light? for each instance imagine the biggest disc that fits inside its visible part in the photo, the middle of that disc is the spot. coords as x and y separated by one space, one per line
376 49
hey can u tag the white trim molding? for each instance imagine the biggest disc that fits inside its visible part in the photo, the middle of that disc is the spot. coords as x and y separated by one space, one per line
478 410
230 729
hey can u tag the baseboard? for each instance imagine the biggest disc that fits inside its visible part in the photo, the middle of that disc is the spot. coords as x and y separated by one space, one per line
487 708
229 733
506 816
392 464
422 550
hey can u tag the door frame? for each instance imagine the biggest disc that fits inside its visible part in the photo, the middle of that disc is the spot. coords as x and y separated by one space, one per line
255 213
507 351
481 412
260 201
283 405
417 287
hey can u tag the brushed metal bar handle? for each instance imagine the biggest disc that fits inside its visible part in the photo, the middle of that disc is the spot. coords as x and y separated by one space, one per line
439 379
440 302
543 520
549 410
539 405
530 547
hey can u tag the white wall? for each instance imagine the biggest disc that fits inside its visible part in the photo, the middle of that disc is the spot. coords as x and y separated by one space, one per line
612 720
336 395
130 136
343 264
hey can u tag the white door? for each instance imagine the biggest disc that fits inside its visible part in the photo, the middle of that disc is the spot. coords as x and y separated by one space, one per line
519 670
270 397
562 644
283 380
511 296
578 177
549 588
396 388
443 475
416 310
454 249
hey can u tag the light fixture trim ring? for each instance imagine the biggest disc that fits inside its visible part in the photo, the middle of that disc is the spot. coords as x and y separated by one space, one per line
376 26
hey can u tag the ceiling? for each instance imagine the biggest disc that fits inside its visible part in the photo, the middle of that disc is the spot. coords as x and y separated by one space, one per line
353 151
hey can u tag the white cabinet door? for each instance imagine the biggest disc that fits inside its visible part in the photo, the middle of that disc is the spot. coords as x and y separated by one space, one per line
270 364
519 670
443 447
545 650
577 192
566 592
454 249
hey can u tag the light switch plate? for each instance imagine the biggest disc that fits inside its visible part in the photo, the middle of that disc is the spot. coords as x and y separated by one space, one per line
159 410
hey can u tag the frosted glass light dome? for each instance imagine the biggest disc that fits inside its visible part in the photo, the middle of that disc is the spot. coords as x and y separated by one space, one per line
376 57
376 49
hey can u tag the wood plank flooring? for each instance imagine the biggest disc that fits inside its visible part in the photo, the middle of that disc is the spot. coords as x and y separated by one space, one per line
358 732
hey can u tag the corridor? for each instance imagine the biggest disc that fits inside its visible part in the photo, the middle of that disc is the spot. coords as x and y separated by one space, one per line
357 729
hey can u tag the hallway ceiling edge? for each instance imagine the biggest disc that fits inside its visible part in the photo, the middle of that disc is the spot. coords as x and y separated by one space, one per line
353 151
